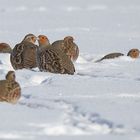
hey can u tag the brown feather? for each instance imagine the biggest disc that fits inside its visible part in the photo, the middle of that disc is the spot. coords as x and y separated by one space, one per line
52 59
5 48
10 91
24 56
70 48
110 56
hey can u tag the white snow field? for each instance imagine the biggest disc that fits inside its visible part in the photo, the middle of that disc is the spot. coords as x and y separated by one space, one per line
101 100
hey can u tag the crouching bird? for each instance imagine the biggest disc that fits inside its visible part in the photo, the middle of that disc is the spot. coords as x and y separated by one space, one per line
133 53
10 90
24 53
52 59
68 46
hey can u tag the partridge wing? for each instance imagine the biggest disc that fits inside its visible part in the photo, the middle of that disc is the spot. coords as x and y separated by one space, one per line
16 57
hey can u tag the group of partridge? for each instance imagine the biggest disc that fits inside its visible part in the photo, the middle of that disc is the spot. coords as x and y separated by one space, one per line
58 57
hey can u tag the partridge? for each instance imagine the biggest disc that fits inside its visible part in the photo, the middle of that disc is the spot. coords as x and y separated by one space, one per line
52 59
110 56
10 90
5 48
68 46
134 53
24 53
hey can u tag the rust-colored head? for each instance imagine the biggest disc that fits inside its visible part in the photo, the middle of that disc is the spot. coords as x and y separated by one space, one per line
10 76
43 40
30 38
134 53
69 39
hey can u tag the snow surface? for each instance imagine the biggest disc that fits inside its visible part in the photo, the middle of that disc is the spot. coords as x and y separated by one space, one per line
102 100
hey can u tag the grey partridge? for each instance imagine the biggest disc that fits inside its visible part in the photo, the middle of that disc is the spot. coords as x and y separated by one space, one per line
10 90
68 46
110 56
133 53
52 59
24 53
5 48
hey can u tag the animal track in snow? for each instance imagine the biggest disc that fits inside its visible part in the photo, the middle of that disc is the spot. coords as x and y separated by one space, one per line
91 123
74 118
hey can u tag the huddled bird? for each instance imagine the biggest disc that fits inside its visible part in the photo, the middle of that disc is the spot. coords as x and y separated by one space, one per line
68 46
52 59
24 53
10 90
5 48
133 53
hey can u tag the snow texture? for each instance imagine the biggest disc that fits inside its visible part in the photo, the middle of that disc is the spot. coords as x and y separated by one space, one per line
101 100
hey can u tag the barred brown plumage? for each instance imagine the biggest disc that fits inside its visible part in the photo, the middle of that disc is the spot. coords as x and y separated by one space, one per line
10 90
52 59
68 46
24 53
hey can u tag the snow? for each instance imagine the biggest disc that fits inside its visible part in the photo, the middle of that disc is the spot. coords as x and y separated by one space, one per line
101 101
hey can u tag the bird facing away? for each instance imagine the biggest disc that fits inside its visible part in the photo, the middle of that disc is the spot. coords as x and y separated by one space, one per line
5 48
52 59
10 90
133 53
24 53
68 46
110 56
